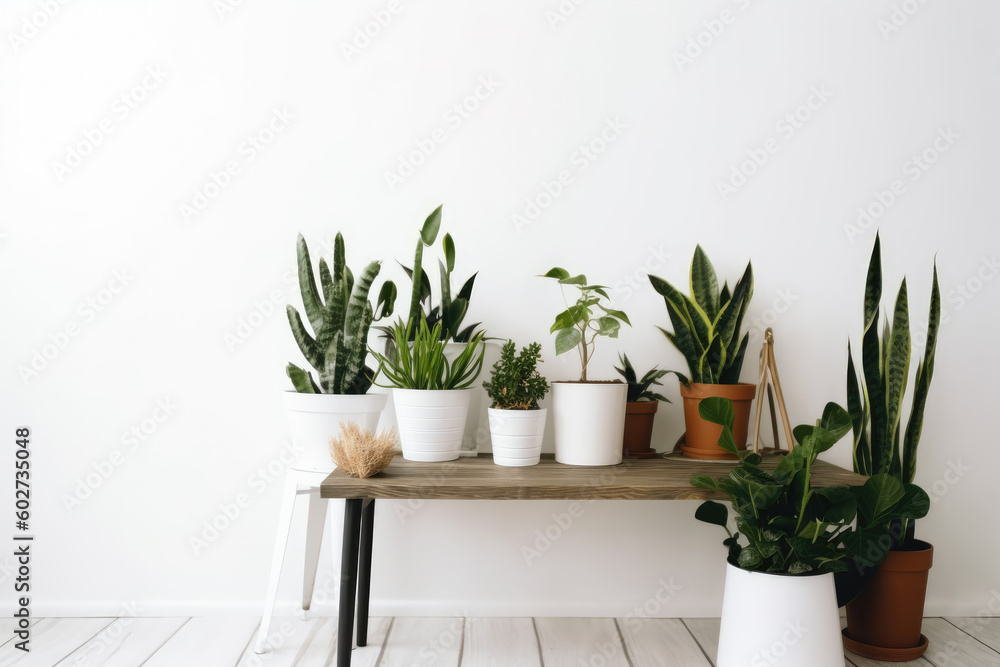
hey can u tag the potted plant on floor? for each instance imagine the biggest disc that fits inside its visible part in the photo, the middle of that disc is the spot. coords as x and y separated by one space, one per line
431 393
884 620
640 410
341 316
450 311
517 423
589 414
794 538
706 330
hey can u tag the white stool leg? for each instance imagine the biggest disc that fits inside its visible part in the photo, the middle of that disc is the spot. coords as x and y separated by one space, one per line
314 542
280 541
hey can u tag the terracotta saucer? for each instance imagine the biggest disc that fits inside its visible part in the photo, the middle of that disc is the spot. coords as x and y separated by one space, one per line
699 454
888 654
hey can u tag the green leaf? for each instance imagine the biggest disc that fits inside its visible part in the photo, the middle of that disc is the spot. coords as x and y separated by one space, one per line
567 339
704 482
307 344
429 232
569 318
302 380
704 283
449 252
925 372
712 512
307 285
557 273
386 300
798 567
750 559
873 284
466 291
717 410
608 326
914 504
574 280
879 496
615 313
897 365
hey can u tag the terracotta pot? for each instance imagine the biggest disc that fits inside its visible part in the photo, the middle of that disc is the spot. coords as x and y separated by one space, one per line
702 437
639 429
889 611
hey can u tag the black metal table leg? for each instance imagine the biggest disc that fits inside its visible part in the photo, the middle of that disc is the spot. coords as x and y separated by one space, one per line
365 568
348 580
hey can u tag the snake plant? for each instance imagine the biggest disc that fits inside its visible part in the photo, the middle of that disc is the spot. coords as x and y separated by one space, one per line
341 317
875 401
707 324
640 390
452 309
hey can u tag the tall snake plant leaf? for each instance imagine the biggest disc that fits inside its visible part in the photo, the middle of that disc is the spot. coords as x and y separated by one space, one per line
727 322
302 380
307 345
731 373
338 258
704 283
897 368
684 336
359 296
871 363
325 280
307 284
861 451
445 288
925 372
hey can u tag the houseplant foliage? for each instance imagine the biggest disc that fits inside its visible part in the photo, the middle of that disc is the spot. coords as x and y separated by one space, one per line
640 410
453 306
790 540
581 323
885 607
340 317
517 423
589 415
432 393
515 383
707 331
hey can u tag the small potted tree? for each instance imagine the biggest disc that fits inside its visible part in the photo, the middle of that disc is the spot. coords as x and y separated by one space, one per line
431 393
340 315
589 414
640 411
706 330
790 539
517 423
884 620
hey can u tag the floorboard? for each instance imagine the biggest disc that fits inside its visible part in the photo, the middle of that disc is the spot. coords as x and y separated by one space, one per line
572 642
424 642
500 642
52 639
950 646
126 642
313 643
661 642
986 630
215 641
706 632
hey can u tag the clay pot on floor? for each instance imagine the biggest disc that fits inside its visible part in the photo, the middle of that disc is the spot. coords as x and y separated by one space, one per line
639 429
702 437
883 621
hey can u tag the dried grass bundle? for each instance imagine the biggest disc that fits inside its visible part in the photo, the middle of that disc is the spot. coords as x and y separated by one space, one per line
359 453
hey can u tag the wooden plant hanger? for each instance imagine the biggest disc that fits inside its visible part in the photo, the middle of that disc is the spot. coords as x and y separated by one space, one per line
769 370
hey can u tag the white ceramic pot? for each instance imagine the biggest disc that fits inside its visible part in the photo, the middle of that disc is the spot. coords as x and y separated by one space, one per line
589 422
431 422
517 436
315 418
779 619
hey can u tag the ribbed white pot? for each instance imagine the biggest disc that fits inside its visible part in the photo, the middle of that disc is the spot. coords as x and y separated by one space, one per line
517 436
589 422
315 418
779 619
431 422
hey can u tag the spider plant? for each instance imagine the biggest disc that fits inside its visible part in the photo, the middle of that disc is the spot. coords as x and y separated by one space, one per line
421 364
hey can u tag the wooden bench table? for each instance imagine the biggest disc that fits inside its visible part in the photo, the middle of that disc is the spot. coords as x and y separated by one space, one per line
480 479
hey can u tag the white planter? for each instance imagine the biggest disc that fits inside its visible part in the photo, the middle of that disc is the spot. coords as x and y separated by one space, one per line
517 436
476 437
431 422
315 418
589 422
779 619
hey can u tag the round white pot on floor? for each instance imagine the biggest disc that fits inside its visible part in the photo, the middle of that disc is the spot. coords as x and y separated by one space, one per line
517 436
315 418
431 422
589 422
779 619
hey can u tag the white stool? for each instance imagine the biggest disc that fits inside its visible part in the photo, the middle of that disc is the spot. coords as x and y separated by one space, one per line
297 482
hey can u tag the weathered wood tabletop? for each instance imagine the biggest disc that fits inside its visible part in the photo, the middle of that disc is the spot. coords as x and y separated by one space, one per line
480 479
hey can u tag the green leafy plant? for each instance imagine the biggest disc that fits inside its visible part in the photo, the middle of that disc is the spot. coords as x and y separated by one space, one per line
419 361
639 390
580 324
452 309
340 317
707 324
876 401
787 525
515 383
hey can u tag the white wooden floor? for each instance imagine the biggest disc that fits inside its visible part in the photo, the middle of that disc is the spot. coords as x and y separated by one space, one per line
437 642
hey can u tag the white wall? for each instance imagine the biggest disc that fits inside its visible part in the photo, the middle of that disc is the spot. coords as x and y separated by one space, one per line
643 204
